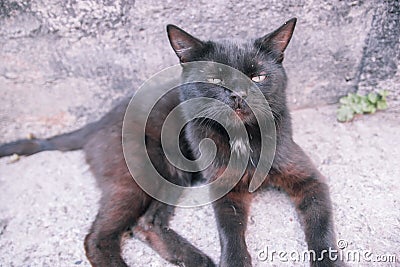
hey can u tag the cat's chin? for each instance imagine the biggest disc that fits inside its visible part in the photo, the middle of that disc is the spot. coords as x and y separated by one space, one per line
241 116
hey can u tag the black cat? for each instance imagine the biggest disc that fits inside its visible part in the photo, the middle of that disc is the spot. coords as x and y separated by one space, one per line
124 205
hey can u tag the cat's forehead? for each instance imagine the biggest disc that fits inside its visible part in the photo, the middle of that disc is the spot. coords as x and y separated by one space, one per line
235 44
236 53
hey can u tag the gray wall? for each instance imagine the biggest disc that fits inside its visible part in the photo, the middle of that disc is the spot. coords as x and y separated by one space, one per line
74 59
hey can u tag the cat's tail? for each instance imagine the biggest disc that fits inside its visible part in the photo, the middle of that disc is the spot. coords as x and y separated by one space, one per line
64 142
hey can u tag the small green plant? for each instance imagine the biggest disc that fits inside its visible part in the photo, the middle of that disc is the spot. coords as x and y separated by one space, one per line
353 104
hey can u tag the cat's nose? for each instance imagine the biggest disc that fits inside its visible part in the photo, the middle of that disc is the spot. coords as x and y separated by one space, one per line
239 94
238 99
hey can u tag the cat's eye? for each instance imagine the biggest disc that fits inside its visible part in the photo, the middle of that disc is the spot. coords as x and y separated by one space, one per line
258 78
214 80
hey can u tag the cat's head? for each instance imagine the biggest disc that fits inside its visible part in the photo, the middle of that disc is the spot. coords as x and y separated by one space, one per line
260 61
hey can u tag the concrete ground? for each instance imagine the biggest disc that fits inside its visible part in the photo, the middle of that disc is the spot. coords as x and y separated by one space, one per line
65 63
49 200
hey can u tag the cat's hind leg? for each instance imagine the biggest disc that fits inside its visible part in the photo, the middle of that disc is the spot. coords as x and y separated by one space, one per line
120 208
154 230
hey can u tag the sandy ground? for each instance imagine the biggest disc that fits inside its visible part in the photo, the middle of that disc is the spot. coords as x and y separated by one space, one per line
49 200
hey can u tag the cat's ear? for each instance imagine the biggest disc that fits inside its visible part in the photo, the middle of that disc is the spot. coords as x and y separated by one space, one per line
185 45
278 40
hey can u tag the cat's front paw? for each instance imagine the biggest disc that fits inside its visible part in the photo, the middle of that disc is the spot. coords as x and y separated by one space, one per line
236 261
329 263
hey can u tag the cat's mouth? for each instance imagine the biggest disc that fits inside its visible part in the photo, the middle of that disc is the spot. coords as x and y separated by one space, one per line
241 113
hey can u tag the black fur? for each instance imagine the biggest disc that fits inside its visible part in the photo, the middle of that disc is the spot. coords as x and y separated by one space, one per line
125 205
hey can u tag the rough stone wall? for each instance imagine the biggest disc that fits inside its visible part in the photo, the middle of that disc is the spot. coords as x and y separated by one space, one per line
381 53
71 60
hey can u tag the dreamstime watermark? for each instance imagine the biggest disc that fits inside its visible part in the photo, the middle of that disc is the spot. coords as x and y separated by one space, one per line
141 116
342 253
